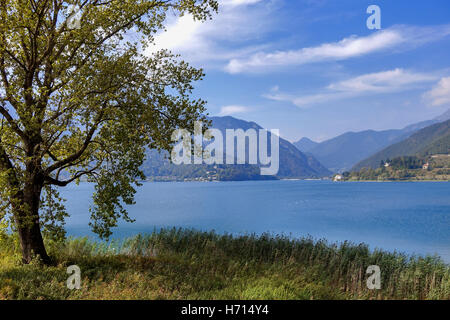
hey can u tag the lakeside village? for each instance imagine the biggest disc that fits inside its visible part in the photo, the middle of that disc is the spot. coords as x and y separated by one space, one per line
408 168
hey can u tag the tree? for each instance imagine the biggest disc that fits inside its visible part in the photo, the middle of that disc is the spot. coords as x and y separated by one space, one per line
81 101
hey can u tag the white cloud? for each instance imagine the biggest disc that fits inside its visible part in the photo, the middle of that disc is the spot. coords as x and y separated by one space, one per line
233 109
440 94
385 81
235 40
306 101
396 80
346 48
183 33
224 37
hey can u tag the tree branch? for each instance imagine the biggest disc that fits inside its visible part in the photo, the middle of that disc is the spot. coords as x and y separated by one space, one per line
78 154
63 183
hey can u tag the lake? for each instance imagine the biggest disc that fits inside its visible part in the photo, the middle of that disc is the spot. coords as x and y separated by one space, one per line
410 217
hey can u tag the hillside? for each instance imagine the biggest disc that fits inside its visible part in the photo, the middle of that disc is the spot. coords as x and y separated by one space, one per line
345 151
342 152
440 146
405 168
433 139
293 163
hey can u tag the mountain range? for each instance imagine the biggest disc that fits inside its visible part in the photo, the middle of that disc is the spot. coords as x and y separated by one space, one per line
308 159
434 139
293 162
343 152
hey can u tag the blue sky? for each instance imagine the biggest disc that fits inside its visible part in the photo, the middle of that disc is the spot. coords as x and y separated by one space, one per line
313 68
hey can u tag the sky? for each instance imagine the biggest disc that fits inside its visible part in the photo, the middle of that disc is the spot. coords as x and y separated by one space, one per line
312 68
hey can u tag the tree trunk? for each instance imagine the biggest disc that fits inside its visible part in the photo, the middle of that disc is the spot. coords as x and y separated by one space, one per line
28 226
32 243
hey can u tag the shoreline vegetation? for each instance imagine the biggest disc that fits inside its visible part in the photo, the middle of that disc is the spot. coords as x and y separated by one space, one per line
190 264
407 168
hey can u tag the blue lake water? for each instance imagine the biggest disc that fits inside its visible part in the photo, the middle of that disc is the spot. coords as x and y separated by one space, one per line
410 217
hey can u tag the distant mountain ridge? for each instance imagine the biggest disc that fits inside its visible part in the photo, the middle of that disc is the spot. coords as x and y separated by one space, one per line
346 150
305 144
443 117
293 163
434 139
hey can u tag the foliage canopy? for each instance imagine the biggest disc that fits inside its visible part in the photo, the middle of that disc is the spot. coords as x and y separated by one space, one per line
86 102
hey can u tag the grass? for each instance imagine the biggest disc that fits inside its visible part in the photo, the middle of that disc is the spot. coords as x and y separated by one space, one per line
188 264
